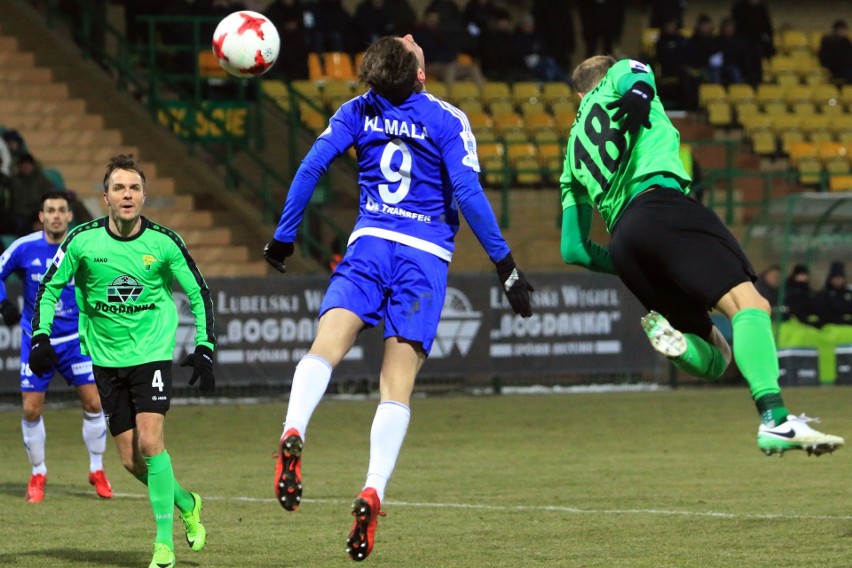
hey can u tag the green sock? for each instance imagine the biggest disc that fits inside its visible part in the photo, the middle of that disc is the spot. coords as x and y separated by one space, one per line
757 359
161 492
183 498
701 359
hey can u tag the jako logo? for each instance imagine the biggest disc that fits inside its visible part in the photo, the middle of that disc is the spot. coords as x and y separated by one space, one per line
459 324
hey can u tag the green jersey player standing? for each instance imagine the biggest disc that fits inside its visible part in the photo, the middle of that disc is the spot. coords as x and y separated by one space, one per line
124 266
673 253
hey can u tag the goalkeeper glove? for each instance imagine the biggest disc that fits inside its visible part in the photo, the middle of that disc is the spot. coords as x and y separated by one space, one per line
275 252
202 363
42 356
634 107
515 286
9 312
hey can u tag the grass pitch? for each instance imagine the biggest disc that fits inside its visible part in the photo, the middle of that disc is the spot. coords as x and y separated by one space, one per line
646 479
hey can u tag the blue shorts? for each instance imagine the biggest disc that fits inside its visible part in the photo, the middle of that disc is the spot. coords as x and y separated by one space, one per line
385 280
74 367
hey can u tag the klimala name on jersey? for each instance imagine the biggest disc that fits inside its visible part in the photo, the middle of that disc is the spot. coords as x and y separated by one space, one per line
102 307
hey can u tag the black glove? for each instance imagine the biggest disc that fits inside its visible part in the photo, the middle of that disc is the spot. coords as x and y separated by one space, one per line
515 285
275 252
202 363
9 312
42 356
634 106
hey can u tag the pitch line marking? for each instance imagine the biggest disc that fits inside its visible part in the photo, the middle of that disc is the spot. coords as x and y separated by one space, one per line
539 508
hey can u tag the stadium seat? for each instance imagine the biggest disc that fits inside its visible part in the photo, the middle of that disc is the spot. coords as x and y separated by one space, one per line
479 120
745 110
208 65
532 106
515 152
741 93
315 70
805 160
526 91
437 88
493 91
538 121
314 121
564 106
338 66
840 183
547 136
485 135
795 41
719 113
463 90
505 122
846 96
514 136
335 90
711 92
491 162
357 60
528 171
564 122
817 128
833 157
555 91
469 106
551 158
841 126
798 93
501 106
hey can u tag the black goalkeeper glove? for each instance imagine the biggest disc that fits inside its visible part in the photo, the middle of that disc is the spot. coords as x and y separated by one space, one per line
515 286
275 252
42 356
634 107
202 363
9 312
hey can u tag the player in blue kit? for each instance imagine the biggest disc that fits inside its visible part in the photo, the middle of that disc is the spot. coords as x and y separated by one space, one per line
28 258
418 167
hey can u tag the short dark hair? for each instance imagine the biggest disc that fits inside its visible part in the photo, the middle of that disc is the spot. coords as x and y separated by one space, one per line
55 194
390 69
123 162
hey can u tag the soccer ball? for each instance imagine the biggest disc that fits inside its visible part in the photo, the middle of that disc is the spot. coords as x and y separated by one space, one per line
246 44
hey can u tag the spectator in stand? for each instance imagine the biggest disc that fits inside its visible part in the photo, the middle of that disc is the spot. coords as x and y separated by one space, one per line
404 16
16 146
373 19
329 26
701 55
671 47
602 22
835 52
443 48
478 16
834 301
501 60
799 299
28 184
288 16
768 283
540 64
734 55
754 25
664 10
5 159
554 20
452 21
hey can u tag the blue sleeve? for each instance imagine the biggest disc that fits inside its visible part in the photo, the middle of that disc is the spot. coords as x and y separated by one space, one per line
479 215
8 264
334 141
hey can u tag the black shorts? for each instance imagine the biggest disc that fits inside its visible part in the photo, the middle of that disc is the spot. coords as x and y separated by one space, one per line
677 257
126 391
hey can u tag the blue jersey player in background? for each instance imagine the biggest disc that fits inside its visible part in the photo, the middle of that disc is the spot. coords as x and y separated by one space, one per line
29 258
418 169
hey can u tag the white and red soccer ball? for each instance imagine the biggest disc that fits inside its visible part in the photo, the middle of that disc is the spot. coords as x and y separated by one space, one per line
246 44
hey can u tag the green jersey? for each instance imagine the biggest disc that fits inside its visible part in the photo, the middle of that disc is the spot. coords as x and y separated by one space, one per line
124 290
607 167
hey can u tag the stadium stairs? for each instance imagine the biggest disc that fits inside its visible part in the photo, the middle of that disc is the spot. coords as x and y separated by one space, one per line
73 119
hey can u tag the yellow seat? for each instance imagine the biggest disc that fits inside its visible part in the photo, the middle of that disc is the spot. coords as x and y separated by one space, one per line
314 121
493 91
505 122
804 158
514 152
551 158
745 110
840 183
786 78
846 96
480 120
338 66
719 113
485 135
564 122
547 136
538 121
514 136
208 65
437 89
841 124
755 122
315 69
824 94
469 106
710 93
526 91
528 171
741 93
501 106
531 106
357 60
555 91
798 93
463 90
491 162
817 128
335 90
793 41
566 106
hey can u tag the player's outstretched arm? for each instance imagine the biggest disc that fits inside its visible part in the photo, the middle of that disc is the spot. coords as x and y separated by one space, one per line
576 247
275 252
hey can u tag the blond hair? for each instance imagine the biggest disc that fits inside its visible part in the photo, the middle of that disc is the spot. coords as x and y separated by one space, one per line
590 72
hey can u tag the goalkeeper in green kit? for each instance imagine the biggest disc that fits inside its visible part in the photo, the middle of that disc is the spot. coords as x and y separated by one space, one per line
124 266
674 254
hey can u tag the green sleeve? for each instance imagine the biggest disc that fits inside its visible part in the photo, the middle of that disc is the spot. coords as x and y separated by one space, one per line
633 72
59 273
576 248
192 282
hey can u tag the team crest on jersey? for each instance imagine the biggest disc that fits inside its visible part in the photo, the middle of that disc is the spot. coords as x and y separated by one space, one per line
470 159
639 67
148 260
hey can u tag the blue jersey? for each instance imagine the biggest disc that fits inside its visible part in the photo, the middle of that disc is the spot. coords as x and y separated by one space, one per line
417 168
29 257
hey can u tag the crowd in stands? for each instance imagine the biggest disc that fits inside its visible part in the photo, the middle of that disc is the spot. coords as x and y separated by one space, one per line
831 303
23 181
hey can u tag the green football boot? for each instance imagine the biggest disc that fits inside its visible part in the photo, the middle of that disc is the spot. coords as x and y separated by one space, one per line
196 534
163 556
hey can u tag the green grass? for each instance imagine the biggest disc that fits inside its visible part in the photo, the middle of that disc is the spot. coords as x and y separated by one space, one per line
648 479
